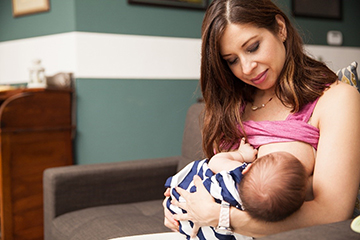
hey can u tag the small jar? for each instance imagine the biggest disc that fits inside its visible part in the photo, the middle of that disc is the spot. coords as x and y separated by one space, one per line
37 77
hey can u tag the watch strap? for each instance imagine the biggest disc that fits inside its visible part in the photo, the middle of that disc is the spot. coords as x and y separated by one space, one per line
224 219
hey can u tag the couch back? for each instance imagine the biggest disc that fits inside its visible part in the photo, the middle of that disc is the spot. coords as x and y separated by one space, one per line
192 139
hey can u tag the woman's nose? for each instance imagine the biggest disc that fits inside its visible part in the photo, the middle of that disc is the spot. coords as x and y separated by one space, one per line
248 66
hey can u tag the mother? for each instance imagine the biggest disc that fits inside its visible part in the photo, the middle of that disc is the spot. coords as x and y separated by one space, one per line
255 77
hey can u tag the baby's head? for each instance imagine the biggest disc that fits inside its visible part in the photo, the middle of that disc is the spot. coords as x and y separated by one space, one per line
274 187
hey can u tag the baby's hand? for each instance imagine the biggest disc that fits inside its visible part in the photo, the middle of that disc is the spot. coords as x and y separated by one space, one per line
247 151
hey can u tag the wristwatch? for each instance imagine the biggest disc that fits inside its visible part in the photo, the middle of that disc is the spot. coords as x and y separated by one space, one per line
224 220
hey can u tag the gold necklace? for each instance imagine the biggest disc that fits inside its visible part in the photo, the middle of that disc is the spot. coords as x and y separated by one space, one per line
254 108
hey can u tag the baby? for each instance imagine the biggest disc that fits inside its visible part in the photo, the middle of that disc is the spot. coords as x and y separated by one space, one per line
269 188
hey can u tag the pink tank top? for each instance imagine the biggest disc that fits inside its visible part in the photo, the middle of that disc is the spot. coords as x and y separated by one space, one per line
294 128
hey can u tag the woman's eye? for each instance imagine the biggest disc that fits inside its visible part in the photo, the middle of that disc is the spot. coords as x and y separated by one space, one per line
231 61
253 47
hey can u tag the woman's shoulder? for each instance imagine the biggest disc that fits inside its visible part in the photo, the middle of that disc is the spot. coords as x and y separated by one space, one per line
338 85
340 91
339 98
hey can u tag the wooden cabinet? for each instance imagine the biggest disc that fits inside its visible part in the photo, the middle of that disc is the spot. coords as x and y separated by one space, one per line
35 134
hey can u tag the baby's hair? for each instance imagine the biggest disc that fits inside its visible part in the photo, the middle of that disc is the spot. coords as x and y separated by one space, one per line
274 187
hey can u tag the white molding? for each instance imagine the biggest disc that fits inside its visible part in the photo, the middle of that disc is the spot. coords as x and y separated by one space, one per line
57 52
99 55
334 57
117 56
145 57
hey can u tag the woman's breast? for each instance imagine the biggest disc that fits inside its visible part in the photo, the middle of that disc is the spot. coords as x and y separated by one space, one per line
303 151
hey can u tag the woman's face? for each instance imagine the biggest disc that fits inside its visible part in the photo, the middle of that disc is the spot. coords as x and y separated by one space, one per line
254 55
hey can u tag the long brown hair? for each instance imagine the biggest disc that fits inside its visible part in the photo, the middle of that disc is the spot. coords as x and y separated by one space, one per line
301 80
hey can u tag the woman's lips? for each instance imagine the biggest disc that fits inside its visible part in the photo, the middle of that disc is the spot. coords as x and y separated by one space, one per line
260 78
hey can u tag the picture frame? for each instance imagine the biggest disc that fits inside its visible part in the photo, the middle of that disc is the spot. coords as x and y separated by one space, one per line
26 7
190 4
329 9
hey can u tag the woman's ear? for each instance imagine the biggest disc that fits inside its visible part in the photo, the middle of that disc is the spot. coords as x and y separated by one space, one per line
282 27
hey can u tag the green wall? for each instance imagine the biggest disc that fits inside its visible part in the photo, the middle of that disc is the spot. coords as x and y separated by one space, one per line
117 16
103 16
137 19
124 119
131 119
314 30
60 19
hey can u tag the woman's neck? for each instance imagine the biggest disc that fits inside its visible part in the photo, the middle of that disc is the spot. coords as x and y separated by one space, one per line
263 95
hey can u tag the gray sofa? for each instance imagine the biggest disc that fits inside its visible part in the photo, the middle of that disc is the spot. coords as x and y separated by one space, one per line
108 200
102 201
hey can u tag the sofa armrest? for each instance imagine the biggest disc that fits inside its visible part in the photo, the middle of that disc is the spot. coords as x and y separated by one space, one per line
331 231
76 187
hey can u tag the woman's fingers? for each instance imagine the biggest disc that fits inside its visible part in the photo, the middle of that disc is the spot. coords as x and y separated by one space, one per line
182 217
182 192
198 182
169 220
199 205
171 226
167 192
194 231
200 188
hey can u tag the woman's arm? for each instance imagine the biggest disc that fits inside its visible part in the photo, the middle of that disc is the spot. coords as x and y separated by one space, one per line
336 175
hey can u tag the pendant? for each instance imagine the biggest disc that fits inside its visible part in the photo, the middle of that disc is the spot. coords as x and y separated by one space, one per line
254 108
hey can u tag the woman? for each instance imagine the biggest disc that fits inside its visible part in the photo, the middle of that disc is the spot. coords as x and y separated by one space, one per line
254 71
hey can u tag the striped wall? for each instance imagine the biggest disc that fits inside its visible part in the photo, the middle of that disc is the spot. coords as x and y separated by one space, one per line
118 56
132 91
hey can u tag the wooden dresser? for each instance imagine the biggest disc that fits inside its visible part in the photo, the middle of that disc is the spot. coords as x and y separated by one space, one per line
35 133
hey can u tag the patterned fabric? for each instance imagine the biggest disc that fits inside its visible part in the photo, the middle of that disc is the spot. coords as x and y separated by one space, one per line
222 186
349 75
357 206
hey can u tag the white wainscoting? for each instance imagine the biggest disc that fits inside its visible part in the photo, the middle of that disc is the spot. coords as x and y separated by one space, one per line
98 55
335 57
57 52
117 56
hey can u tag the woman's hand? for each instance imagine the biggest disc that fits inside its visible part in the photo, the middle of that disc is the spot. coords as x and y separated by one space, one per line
169 220
200 206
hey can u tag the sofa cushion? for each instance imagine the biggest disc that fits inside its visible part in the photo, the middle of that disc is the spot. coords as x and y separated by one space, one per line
192 139
110 221
349 75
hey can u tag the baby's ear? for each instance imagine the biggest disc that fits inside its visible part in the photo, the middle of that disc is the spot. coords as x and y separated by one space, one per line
247 168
